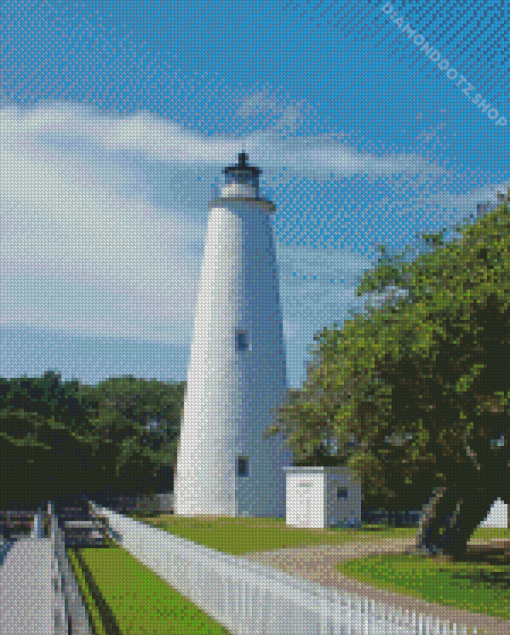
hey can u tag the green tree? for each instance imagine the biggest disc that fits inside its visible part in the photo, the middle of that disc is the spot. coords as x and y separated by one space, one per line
37 419
48 396
144 402
21 456
427 372
142 416
41 459
66 439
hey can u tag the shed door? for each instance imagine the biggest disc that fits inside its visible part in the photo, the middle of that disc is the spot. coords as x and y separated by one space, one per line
304 503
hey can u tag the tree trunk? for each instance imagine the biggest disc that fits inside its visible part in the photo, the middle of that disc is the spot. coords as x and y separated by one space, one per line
450 517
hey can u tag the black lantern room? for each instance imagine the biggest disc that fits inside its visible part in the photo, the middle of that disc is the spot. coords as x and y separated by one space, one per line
243 174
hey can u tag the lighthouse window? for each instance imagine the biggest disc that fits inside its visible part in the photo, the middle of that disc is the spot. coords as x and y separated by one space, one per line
341 493
242 341
242 466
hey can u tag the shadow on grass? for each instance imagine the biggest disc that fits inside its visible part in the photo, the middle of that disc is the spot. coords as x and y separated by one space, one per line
477 582
476 558
107 616
132 599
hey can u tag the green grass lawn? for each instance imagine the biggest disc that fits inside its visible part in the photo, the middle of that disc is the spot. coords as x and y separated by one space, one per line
124 597
479 584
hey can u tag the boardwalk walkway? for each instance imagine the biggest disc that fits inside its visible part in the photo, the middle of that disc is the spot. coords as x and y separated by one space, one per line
26 597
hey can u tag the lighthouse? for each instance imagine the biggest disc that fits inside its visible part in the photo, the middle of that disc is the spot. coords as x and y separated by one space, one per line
237 371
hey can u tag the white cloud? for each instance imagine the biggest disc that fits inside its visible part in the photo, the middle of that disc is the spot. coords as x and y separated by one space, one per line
86 249
77 256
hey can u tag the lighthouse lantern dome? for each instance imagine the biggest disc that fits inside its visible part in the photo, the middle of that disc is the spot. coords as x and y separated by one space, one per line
241 180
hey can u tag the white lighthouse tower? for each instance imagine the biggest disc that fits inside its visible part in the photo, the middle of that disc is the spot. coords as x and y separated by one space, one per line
237 373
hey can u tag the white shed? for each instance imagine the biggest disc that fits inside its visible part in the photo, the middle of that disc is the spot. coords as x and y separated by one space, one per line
498 515
322 497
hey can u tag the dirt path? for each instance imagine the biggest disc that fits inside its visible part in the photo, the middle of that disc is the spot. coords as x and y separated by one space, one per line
318 564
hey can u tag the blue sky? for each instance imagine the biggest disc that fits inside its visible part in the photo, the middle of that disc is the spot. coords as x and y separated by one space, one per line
116 120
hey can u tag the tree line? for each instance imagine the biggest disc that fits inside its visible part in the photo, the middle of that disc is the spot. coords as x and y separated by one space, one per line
64 438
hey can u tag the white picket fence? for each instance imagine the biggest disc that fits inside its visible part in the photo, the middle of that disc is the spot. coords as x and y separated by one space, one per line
253 599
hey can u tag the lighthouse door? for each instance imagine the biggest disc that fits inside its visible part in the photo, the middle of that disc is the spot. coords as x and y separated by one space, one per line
304 504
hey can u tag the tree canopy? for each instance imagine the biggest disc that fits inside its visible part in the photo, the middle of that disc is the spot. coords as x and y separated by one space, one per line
426 372
62 438
143 416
